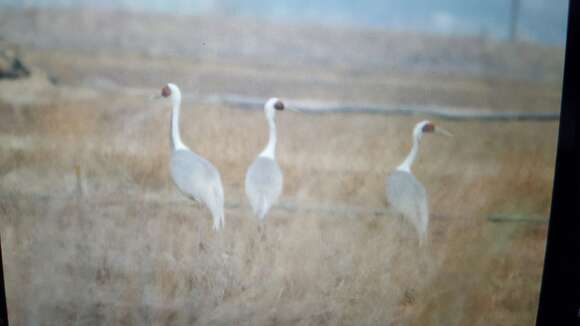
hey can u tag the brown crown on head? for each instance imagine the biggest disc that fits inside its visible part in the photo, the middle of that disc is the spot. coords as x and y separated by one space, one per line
429 127
166 91
279 105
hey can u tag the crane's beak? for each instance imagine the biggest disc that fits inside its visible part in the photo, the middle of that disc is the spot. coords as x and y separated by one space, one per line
443 132
155 97
293 109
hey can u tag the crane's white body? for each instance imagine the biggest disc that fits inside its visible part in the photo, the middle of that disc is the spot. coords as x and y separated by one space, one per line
264 179
263 183
193 175
405 193
409 198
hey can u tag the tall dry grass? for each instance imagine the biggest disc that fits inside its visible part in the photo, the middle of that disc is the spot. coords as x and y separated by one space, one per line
131 250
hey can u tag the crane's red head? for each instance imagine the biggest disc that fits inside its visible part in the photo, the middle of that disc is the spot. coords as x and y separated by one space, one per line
428 127
166 91
279 105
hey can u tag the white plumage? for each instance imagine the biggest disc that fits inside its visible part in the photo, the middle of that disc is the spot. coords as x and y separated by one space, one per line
404 192
193 175
264 179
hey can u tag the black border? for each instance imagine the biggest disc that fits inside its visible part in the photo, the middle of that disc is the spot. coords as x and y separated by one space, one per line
3 306
560 290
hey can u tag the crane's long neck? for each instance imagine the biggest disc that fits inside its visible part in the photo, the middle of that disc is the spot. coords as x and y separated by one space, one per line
176 142
406 165
270 149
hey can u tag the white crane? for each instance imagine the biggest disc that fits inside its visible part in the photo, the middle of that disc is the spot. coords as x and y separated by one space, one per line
264 178
193 175
404 192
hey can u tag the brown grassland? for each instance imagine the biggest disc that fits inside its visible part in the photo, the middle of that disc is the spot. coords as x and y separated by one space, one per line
94 232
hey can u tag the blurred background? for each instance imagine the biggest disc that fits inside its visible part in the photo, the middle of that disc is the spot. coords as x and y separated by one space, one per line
94 232
531 20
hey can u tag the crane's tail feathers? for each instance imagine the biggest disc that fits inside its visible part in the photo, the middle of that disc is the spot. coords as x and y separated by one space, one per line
422 227
262 209
216 207
259 207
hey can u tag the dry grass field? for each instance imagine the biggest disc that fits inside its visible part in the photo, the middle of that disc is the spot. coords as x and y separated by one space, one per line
94 232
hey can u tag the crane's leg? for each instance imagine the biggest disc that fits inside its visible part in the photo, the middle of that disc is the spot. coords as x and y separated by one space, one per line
264 235
262 230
